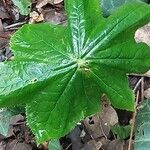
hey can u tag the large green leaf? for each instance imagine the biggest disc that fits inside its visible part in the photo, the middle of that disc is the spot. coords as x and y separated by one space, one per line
61 72
110 5
142 137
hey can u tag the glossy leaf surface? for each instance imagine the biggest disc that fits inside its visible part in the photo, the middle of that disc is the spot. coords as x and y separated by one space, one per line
60 73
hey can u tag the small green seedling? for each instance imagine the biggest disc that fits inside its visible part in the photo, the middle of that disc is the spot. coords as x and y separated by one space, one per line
60 73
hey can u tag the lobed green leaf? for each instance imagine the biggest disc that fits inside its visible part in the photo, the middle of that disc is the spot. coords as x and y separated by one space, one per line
60 73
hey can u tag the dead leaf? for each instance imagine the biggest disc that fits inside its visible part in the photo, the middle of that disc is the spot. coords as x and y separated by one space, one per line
108 115
2 145
96 127
99 125
147 93
3 13
42 3
15 145
92 145
35 17
17 118
143 35
114 145
1 26
147 74
50 15
3 43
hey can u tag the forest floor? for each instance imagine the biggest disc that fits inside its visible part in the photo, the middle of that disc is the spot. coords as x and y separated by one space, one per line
93 133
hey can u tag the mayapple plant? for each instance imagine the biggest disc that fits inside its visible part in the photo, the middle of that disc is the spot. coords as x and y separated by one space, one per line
60 72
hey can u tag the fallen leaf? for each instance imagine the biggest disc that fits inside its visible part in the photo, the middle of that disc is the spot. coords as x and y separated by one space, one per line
96 127
92 145
148 74
17 118
50 15
109 115
2 145
143 34
115 145
41 3
99 125
15 145
35 17
147 93
3 13
1 26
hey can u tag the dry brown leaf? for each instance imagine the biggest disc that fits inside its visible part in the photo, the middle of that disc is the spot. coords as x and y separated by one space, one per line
147 93
35 17
1 26
3 13
109 115
99 125
42 3
92 145
148 74
115 145
143 35
50 15
96 127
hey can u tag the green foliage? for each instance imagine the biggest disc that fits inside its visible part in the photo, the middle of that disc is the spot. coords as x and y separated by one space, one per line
54 145
110 5
5 118
122 132
60 73
23 5
142 137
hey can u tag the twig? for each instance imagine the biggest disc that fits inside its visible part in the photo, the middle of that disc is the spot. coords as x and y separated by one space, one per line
142 89
133 122
68 146
12 29
140 75
14 25
137 85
